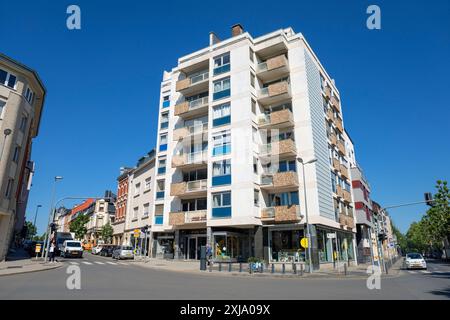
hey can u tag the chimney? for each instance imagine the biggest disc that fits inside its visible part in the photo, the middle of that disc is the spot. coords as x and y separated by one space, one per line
213 39
236 30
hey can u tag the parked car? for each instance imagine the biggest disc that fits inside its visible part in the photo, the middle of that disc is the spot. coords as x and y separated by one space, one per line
72 248
107 251
96 249
415 261
123 252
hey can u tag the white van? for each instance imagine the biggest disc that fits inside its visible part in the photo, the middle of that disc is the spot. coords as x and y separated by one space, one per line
72 248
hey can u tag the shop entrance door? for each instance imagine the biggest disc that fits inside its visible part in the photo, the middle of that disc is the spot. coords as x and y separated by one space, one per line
194 244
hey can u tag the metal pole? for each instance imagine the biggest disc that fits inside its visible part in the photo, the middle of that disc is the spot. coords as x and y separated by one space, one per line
35 216
308 234
50 219
145 244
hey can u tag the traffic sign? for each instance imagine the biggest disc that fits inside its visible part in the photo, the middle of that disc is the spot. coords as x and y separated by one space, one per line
304 242
137 233
38 248
331 235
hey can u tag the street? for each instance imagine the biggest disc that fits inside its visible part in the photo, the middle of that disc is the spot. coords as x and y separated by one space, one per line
104 278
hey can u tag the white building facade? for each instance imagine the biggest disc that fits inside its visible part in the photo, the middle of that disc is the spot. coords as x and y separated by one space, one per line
234 119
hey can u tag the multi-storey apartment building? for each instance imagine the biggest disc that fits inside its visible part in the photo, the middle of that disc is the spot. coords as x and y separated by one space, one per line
236 121
61 215
101 213
118 223
140 200
22 97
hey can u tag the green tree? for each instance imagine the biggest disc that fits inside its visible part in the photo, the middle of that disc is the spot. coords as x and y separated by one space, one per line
438 216
31 230
78 226
107 232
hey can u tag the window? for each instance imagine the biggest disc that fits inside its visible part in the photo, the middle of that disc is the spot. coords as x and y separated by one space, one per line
193 204
23 123
146 210
222 64
2 106
160 186
254 135
255 165
137 189
284 199
256 198
221 172
221 89
166 102
251 54
29 95
135 212
222 143
221 204
253 106
9 188
287 165
7 79
164 120
163 142
16 154
333 181
195 175
147 184
162 165
252 79
221 114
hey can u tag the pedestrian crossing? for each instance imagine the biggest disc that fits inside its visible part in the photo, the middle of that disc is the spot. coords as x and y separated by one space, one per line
425 272
90 263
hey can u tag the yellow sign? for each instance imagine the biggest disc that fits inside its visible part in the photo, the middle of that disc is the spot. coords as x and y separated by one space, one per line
137 232
38 248
304 242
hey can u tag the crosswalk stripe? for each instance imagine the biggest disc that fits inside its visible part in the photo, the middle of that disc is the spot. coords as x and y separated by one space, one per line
123 263
98 262
425 271
87 262
412 272
113 263
73 262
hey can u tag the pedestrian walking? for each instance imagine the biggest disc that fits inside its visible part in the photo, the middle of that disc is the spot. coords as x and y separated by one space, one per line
52 252
208 253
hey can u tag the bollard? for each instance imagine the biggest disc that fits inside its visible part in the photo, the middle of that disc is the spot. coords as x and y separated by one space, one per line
240 266
229 267
261 269
220 266
273 268
294 268
345 269
283 269
250 268
301 269
210 266
385 268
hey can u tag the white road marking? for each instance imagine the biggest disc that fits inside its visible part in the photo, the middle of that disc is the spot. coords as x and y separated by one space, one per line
73 262
86 262
98 262
123 263
425 271
412 272
113 263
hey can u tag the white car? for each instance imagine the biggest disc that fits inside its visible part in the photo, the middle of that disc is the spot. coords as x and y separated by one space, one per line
415 261
72 248
96 249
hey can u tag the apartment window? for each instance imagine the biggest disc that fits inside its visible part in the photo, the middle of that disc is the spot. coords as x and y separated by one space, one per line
287 165
256 198
137 189
284 199
7 79
160 186
29 95
146 210
221 172
163 142
221 203
254 107
254 135
2 106
135 212
255 165
9 188
222 64
333 181
221 114
164 120
251 53
195 175
147 184
166 102
222 143
16 154
23 123
252 79
162 165
193 204
221 89
322 81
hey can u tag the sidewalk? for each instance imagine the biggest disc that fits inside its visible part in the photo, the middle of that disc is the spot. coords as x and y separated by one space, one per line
19 262
359 271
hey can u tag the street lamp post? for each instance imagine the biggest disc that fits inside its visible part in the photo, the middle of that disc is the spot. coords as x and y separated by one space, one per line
35 215
308 231
50 219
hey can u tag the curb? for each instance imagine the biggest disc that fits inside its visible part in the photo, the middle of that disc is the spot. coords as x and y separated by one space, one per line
31 271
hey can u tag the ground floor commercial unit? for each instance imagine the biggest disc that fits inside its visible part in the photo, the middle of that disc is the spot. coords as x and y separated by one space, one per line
273 244
6 233
364 243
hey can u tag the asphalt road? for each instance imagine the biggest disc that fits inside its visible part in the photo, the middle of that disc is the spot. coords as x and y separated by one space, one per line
104 278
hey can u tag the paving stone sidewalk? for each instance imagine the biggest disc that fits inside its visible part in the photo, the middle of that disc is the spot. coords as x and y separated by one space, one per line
19 262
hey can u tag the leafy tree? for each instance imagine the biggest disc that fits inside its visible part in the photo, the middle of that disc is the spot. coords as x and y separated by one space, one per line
107 232
78 226
31 230
438 216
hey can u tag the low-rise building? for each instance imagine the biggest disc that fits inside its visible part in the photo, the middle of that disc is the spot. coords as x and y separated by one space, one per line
118 223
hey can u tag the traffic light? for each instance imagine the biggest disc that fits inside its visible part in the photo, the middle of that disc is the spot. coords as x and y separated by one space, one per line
429 199
53 227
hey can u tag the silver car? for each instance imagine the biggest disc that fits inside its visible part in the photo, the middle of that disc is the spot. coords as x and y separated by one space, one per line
123 252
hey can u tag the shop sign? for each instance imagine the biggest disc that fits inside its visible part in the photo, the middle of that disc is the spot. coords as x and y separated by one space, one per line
304 242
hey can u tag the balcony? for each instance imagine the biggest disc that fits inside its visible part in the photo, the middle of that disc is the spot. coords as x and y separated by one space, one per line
190 160
335 103
346 221
341 147
333 139
340 192
283 148
336 164
344 172
192 108
330 114
188 188
192 84
274 93
278 119
273 68
338 123
191 131
188 217
279 181
327 92
347 196
281 214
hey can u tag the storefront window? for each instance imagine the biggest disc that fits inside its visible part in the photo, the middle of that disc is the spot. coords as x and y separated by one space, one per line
232 247
285 246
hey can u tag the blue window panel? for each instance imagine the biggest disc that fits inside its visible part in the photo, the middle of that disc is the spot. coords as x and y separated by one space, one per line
221 121
283 166
162 170
221 180
220 150
163 147
164 125
223 212
160 195
159 219
221 94
294 198
222 69
166 104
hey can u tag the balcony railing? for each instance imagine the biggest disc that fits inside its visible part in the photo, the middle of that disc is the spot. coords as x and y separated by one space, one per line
188 106
195 216
188 131
286 146
341 146
280 179
274 92
289 213
338 123
277 118
197 185
272 63
192 80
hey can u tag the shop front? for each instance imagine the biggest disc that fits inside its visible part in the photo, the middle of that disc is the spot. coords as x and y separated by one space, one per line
233 246
334 245
284 244
190 243
163 245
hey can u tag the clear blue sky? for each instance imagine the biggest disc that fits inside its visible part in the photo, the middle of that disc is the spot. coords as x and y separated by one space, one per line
103 83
